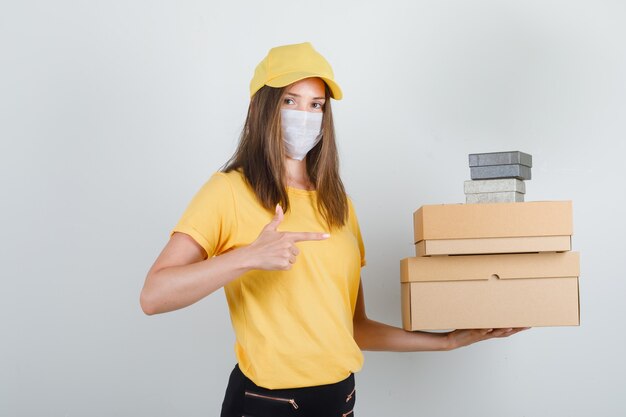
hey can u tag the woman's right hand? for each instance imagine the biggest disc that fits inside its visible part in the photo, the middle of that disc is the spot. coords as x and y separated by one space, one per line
273 250
182 276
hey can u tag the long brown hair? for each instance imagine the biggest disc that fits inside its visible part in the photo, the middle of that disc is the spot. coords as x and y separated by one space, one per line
260 155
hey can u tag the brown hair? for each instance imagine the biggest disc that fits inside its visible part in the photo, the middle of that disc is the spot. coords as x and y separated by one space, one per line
260 154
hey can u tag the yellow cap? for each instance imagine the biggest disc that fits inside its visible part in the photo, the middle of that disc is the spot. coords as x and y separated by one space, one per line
287 64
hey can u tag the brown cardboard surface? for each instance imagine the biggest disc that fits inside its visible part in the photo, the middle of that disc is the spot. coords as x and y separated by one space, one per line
470 221
406 307
491 304
493 245
482 267
490 291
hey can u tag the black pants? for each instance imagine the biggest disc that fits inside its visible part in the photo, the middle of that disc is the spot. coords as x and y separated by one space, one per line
245 399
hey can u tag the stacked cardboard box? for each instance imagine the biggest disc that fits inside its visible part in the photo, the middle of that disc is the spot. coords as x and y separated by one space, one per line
493 265
498 177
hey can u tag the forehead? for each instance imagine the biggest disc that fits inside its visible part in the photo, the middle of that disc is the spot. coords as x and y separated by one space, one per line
309 86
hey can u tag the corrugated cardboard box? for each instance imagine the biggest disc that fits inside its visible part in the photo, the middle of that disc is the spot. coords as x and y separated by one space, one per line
493 245
490 291
455 229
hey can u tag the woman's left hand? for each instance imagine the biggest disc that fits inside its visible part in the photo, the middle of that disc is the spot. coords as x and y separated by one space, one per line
465 337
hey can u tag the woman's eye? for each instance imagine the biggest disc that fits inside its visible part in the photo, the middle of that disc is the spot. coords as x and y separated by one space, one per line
317 106
289 101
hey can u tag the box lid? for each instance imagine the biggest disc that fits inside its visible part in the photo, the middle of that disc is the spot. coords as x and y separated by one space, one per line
500 158
484 267
463 221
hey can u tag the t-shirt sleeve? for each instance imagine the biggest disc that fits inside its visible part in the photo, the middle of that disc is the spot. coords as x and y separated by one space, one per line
210 216
353 222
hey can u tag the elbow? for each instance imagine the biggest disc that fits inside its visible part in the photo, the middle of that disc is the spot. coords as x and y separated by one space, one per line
361 343
148 306
360 334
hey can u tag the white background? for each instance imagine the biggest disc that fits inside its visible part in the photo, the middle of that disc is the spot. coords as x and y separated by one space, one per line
113 114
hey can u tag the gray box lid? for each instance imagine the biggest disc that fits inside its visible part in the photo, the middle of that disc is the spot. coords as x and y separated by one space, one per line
500 158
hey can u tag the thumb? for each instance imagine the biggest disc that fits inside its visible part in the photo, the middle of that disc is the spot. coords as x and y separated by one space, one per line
278 217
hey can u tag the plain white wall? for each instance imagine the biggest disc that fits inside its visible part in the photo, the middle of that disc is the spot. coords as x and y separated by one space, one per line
113 114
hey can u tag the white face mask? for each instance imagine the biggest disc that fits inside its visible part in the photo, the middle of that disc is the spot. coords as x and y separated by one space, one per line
302 130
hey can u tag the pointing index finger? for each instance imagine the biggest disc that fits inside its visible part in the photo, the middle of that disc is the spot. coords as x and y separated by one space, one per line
304 236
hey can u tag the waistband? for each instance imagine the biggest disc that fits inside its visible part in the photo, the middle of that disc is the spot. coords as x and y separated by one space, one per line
319 400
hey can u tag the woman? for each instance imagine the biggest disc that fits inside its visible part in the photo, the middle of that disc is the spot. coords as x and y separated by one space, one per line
277 231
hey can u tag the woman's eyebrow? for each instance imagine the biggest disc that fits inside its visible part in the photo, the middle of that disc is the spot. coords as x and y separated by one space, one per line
298 95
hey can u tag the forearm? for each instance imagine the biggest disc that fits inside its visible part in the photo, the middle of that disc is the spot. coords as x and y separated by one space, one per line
176 287
373 335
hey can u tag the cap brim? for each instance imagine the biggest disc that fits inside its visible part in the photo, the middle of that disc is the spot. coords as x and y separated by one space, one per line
286 79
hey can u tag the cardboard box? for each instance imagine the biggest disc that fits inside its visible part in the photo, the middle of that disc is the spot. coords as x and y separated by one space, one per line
500 197
500 158
493 245
520 172
502 220
490 291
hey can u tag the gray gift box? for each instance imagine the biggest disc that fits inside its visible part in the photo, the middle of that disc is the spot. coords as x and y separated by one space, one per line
500 158
520 172
494 186
501 197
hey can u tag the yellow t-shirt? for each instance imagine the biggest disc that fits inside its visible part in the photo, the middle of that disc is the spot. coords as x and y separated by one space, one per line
293 328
